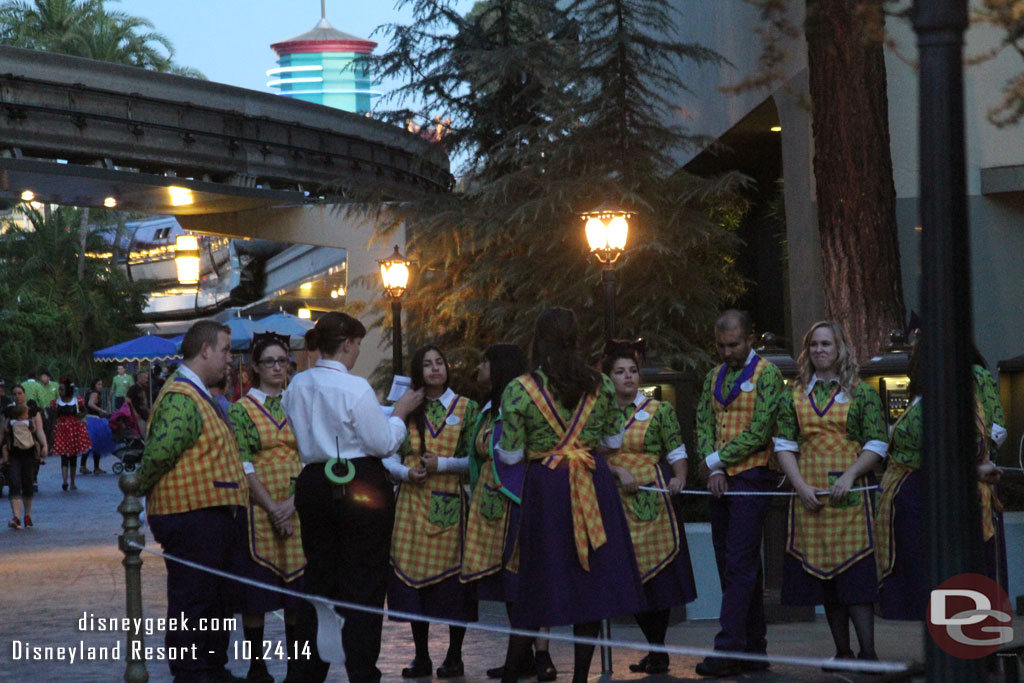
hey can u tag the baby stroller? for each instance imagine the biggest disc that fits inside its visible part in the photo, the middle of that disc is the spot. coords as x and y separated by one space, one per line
128 453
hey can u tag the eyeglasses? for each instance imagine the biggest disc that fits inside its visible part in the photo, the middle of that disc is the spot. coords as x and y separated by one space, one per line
271 362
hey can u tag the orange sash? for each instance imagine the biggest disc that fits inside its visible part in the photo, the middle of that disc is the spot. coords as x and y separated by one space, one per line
588 528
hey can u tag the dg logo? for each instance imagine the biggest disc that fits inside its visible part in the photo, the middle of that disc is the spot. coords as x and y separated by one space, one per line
969 616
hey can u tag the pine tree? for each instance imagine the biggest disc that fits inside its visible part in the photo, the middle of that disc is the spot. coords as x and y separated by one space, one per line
554 109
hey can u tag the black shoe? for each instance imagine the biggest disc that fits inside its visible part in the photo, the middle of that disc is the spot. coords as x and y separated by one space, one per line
451 669
496 672
872 657
751 665
222 676
545 667
653 663
258 672
419 668
717 667
838 656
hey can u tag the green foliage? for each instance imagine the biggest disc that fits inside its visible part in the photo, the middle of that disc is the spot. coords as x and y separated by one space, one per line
51 318
86 28
553 110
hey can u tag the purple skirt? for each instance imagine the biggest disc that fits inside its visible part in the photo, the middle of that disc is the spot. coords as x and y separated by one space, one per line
554 589
502 583
903 594
855 586
259 601
673 585
447 599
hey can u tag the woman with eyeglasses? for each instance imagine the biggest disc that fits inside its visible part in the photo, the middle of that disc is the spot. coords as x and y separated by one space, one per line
270 459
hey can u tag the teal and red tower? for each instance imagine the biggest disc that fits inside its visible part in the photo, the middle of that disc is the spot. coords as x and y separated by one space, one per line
325 66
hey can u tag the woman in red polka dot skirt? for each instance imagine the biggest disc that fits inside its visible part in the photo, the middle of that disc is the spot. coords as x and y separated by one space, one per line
70 435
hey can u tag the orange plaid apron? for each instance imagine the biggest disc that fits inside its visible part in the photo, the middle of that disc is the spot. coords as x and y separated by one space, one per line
277 466
828 541
588 527
426 546
896 473
734 417
649 514
488 515
209 473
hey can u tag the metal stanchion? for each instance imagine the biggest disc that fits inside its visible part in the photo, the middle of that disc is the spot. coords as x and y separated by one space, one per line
606 652
130 508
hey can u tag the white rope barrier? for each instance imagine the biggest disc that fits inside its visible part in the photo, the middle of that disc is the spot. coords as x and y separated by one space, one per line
845 665
692 492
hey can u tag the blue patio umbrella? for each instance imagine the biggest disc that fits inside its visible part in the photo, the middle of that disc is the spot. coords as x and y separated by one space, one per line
284 323
242 330
147 347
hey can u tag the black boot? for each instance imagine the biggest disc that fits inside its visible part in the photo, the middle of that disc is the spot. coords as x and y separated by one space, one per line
257 667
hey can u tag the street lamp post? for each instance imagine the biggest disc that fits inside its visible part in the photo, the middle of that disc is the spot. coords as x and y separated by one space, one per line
394 273
607 228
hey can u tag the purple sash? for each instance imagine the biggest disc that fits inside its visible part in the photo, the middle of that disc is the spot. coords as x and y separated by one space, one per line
747 373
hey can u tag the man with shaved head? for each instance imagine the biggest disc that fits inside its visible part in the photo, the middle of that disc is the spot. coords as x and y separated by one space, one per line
735 422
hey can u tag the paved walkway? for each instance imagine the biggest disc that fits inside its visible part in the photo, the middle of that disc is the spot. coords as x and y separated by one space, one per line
68 567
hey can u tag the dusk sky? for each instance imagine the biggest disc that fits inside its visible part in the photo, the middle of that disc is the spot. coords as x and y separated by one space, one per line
229 40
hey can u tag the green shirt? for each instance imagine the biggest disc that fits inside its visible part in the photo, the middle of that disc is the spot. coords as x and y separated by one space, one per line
663 435
907 440
770 389
174 427
986 391
120 385
865 421
246 434
436 413
524 427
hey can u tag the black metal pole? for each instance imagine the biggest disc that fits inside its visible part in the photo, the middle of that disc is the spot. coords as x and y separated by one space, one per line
952 518
396 336
608 279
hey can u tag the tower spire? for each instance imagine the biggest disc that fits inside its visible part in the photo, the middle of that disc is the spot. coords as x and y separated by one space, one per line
323 9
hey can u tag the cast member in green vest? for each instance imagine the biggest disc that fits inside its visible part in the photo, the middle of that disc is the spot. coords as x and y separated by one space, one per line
196 496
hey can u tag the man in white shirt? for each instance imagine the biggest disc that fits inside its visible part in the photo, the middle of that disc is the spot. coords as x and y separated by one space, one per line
346 513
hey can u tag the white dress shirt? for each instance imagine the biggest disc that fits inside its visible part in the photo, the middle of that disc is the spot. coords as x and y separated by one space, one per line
399 472
336 414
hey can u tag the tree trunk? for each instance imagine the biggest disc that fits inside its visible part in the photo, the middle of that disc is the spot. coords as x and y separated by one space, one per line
853 171
83 236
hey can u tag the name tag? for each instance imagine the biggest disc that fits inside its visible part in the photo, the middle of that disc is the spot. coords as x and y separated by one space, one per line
642 415
841 397
747 387
452 420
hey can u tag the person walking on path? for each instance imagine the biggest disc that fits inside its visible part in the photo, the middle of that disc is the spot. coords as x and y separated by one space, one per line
196 496
70 435
736 417
270 458
345 501
22 441
835 423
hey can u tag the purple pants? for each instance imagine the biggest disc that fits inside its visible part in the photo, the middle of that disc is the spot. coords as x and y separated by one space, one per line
214 537
736 526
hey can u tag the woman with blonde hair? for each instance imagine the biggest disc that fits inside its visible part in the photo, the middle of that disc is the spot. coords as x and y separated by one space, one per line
831 434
